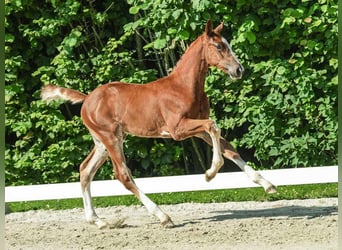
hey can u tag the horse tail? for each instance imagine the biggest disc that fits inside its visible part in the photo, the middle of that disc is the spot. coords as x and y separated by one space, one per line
52 92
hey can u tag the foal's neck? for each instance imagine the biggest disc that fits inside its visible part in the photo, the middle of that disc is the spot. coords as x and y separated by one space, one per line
192 68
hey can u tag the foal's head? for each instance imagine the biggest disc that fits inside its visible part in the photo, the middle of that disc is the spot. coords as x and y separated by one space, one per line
219 53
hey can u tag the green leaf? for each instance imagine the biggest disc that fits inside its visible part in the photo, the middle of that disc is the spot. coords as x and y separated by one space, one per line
9 38
171 31
176 14
145 163
274 151
184 35
251 37
159 43
281 70
134 10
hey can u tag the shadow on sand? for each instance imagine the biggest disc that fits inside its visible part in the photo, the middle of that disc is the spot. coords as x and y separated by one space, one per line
277 212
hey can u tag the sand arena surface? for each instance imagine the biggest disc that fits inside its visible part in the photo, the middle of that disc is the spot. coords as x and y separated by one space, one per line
295 224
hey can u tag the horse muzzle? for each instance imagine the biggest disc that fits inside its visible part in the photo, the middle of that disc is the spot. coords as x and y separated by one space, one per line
236 72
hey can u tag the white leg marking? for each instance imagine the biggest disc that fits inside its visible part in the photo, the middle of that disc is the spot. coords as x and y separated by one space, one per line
217 162
99 156
153 209
90 214
255 176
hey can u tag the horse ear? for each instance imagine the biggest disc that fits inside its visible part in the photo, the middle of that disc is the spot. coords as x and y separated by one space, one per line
219 28
209 28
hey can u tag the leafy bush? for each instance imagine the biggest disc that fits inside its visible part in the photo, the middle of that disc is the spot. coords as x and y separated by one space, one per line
282 114
287 104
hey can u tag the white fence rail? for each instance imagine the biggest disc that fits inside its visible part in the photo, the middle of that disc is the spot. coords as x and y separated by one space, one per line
167 184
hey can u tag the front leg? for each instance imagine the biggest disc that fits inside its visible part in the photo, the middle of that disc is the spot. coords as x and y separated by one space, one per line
192 127
230 153
217 161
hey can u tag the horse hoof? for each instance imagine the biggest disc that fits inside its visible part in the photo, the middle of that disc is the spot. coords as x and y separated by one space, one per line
208 177
119 223
271 189
167 222
101 224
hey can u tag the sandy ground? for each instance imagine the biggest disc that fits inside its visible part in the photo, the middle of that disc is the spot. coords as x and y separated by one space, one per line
295 224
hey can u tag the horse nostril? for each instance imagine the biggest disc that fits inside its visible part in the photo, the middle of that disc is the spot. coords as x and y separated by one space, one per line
239 71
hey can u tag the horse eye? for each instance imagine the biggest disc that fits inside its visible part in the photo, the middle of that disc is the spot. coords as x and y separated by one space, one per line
219 47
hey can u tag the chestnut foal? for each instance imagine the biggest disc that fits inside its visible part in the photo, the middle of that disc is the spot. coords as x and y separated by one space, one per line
174 107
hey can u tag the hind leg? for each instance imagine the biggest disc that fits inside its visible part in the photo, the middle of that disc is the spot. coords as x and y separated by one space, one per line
114 145
88 169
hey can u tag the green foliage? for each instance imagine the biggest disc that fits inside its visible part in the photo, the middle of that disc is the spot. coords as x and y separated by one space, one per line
283 112
71 44
286 107
153 157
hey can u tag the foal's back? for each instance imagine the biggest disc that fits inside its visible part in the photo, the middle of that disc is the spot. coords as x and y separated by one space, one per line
139 109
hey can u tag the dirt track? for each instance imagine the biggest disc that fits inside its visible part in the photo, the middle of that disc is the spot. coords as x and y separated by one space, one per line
306 224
